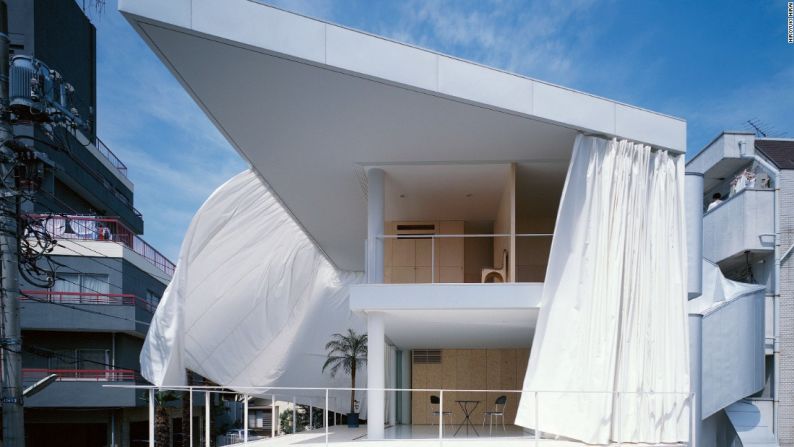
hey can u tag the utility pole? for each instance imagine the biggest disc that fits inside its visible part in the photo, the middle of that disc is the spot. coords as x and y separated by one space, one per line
11 341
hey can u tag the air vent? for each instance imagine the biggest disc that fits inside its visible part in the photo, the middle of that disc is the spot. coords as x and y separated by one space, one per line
427 356
416 227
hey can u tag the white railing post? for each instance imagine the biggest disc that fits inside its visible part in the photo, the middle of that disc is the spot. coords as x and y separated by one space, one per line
190 390
274 418
311 415
151 417
207 419
245 419
441 415
325 416
537 420
294 416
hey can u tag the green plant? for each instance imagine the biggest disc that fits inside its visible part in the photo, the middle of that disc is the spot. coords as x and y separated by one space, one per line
347 352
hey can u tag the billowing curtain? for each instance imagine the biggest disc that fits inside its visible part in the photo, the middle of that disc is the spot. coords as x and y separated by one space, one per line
609 359
252 303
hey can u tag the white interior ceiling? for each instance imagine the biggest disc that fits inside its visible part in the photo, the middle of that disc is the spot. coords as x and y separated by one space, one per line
451 192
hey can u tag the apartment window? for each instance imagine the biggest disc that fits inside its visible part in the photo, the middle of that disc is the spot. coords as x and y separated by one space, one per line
83 358
82 283
152 298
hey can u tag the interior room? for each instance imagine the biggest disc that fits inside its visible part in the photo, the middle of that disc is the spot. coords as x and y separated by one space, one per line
470 223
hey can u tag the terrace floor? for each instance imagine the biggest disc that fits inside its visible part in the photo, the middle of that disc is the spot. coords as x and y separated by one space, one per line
420 435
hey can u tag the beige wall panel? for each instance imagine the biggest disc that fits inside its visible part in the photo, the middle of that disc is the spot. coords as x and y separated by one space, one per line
507 375
404 252
423 275
450 274
423 250
403 275
451 227
477 251
449 365
493 376
420 400
479 368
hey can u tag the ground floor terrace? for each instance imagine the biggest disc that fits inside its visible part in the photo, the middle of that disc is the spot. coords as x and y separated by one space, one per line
419 435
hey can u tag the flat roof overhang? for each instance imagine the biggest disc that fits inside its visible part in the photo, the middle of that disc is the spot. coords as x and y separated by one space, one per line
465 316
311 105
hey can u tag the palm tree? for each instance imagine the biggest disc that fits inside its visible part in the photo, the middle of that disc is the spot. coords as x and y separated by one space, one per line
162 425
347 352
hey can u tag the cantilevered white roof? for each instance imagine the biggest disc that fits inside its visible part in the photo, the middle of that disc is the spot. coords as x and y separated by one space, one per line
311 104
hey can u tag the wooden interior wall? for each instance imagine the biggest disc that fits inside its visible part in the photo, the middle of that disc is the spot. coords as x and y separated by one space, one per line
478 251
505 223
481 369
532 253
410 260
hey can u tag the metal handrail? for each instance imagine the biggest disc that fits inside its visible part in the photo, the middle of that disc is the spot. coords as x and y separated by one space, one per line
117 299
116 232
267 391
97 375
111 157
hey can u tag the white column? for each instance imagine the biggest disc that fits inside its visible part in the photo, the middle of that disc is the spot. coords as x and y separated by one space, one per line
151 417
245 419
693 212
393 395
375 376
294 416
405 396
375 221
274 419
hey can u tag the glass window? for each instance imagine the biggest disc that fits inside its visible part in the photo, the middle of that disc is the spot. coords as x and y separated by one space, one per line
94 283
91 283
67 282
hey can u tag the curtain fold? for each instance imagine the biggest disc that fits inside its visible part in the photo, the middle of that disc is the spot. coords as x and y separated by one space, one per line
610 354
252 302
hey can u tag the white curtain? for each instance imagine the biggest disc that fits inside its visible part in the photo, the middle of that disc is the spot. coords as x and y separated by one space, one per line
610 354
252 302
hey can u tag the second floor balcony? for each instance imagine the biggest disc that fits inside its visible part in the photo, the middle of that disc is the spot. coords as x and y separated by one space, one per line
83 388
745 222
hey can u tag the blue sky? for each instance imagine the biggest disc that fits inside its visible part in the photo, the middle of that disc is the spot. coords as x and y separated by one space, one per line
715 64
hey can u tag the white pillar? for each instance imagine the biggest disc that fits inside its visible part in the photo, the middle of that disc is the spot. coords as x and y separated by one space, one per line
294 416
274 419
375 376
245 419
375 221
405 383
693 212
393 395
151 417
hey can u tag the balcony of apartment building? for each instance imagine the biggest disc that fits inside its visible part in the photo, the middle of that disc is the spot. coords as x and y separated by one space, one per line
88 235
80 365
83 388
86 311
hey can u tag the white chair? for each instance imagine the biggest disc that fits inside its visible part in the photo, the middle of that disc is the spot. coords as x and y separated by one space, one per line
497 412
496 274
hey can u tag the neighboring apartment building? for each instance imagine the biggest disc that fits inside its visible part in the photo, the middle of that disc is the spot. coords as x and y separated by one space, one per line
431 175
88 328
749 233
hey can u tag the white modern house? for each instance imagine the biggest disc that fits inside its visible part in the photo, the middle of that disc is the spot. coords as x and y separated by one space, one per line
494 235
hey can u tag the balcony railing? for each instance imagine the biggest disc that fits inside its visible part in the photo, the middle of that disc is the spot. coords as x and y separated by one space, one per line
744 222
109 299
111 157
76 375
101 229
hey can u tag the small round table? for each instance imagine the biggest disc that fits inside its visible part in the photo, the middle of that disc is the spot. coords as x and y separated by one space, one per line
468 407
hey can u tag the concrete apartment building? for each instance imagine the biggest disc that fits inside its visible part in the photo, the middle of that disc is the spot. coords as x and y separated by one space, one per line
88 328
750 235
